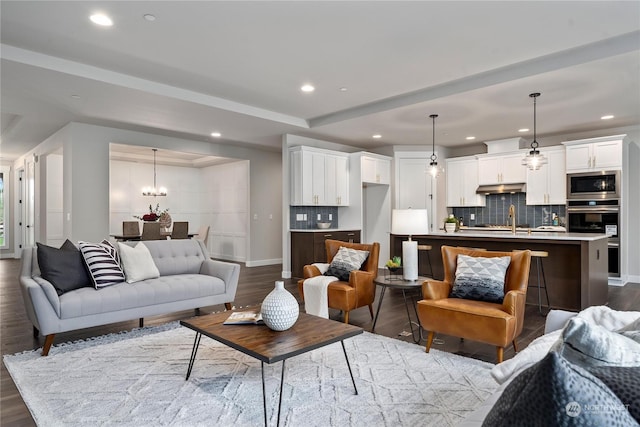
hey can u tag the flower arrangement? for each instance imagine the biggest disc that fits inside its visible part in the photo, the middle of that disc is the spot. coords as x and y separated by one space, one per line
394 263
153 215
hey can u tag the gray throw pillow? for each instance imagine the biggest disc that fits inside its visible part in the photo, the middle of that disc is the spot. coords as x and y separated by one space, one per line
554 392
480 278
624 382
64 268
346 260
588 344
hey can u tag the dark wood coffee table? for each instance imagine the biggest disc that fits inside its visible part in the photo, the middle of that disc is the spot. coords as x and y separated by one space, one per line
260 342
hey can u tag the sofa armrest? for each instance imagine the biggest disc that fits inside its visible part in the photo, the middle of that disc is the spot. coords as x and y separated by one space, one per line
228 272
557 319
435 289
309 271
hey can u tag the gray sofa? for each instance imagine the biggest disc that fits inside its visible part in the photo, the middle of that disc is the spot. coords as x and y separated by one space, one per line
189 279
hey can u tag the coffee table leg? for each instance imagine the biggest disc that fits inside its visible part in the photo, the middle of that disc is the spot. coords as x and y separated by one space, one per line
281 387
348 366
264 395
384 288
196 344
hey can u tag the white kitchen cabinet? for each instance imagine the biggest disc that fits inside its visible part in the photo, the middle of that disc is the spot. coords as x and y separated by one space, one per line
376 170
462 182
319 177
547 185
502 169
594 154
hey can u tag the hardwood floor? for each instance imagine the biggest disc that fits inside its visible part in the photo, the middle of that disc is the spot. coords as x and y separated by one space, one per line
255 283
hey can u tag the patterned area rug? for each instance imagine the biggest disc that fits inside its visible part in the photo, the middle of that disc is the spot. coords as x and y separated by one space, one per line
138 379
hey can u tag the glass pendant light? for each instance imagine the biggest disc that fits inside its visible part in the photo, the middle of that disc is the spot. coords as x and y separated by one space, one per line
535 159
154 191
434 170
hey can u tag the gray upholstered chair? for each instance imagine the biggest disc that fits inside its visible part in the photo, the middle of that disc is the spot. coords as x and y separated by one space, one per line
180 230
130 228
203 234
151 231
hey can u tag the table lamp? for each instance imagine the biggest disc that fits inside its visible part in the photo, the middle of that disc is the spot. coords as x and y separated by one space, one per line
409 222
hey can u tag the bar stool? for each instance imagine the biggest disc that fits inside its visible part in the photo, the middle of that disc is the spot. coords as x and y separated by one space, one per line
539 267
427 248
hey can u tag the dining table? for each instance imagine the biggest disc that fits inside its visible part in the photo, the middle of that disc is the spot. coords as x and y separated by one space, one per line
133 237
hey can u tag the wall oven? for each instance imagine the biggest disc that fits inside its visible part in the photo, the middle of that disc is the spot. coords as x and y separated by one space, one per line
598 216
593 185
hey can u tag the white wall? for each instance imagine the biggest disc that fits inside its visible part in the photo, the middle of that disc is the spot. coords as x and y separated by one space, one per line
217 196
86 182
54 200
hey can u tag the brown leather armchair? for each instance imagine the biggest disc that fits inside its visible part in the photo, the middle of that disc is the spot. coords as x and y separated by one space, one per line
491 323
359 290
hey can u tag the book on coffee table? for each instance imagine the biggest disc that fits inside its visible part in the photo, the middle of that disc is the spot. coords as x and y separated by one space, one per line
244 318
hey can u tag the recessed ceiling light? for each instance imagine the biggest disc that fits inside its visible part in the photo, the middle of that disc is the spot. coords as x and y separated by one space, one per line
101 19
376 136
149 17
343 89
609 117
75 96
307 88
523 130
216 134
470 138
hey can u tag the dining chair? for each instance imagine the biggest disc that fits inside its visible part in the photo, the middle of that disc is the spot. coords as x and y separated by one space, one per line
151 231
130 228
203 234
180 230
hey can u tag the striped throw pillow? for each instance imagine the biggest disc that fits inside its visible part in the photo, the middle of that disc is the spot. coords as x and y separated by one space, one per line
103 262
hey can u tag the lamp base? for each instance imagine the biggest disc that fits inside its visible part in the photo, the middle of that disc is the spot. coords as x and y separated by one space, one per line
410 259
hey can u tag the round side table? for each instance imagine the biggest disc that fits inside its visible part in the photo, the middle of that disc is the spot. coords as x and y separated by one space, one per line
404 285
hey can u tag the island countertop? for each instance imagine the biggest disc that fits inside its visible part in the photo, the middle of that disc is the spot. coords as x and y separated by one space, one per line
522 234
575 269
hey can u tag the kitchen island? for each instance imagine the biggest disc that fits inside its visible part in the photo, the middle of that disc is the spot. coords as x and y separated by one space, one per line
576 268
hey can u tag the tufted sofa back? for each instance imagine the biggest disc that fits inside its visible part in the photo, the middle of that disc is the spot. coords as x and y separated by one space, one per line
177 256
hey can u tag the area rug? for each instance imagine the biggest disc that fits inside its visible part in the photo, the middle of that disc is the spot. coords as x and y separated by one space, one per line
138 379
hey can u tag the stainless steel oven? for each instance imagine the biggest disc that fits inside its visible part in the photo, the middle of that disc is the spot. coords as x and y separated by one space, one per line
598 216
593 185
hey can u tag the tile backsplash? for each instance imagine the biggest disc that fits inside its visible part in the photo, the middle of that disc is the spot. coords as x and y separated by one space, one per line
497 212
312 213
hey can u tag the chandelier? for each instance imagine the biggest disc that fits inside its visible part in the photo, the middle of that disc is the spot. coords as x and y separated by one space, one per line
535 159
434 170
154 191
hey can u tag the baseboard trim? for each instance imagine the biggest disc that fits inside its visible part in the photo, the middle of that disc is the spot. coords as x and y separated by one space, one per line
632 278
263 262
286 274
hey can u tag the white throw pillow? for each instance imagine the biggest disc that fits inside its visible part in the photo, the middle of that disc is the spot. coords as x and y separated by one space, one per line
137 263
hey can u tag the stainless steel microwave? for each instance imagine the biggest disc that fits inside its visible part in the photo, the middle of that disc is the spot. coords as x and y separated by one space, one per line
593 185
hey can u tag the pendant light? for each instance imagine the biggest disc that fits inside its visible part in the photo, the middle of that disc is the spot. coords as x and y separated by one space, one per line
154 191
535 159
434 170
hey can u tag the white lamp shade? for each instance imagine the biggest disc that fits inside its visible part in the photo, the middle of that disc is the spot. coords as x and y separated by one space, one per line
409 222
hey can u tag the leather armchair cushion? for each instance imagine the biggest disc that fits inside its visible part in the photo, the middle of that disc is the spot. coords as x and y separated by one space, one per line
480 278
345 261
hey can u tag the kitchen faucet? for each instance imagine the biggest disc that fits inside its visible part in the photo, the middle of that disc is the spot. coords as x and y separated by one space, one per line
512 215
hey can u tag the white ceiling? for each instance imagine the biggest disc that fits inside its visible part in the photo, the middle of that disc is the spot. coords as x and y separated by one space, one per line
236 67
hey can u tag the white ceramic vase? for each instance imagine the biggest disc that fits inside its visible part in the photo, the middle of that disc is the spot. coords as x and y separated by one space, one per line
450 227
280 309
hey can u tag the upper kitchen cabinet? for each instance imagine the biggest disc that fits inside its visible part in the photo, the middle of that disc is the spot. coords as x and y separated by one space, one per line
547 185
501 169
376 169
319 177
594 154
462 182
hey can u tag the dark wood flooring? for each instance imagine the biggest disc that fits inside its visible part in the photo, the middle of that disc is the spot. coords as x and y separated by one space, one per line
255 283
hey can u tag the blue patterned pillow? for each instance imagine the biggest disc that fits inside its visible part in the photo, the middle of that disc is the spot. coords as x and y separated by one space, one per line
480 278
103 262
345 261
554 392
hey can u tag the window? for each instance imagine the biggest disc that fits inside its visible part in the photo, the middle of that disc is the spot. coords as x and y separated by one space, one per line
4 206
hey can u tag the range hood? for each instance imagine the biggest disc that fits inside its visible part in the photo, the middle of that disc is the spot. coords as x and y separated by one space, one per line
502 188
